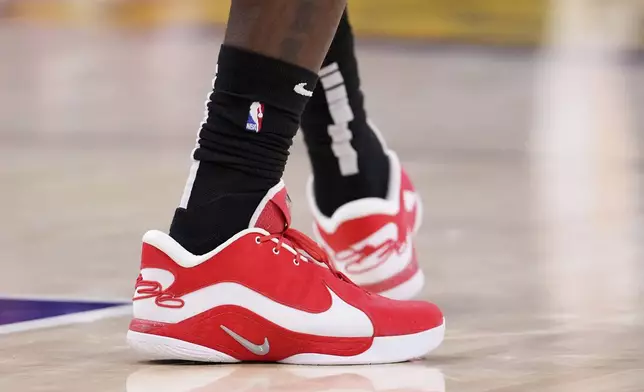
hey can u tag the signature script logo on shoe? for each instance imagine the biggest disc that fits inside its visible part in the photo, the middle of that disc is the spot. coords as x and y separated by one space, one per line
391 241
367 257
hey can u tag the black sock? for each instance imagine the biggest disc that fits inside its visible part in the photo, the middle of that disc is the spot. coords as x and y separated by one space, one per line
348 159
253 114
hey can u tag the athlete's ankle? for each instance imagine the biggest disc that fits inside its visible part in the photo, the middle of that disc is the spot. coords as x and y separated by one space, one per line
253 114
333 189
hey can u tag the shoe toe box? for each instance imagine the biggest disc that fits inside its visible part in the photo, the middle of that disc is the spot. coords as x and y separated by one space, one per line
394 318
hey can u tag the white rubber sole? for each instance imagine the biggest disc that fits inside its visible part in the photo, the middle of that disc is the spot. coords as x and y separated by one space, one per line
387 349
408 289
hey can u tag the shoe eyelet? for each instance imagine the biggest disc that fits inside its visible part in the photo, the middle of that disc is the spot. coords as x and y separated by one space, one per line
276 251
258 240
296 261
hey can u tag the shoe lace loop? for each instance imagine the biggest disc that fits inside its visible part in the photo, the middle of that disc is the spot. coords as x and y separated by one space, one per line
300 242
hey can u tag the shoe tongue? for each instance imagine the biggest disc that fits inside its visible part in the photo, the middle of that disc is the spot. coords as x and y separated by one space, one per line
273 213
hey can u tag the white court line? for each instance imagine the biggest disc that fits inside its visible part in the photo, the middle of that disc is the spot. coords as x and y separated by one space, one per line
66 319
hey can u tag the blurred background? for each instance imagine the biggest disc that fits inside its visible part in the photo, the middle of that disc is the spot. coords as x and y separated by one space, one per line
520 121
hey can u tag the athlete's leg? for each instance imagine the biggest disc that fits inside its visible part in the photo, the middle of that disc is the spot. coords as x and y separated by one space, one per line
365 207
269 61
346 155
295 31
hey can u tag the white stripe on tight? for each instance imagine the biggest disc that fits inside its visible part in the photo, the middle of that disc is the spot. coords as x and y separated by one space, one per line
340 110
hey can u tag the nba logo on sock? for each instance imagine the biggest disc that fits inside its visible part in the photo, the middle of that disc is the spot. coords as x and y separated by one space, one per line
255 117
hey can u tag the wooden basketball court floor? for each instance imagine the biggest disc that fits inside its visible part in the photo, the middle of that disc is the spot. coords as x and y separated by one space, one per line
529 170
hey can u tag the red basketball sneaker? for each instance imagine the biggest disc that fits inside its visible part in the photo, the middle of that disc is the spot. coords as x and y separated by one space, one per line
269 294
370 240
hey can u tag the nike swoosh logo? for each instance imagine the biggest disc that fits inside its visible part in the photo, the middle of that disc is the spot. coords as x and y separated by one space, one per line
347 320
301 89
256 349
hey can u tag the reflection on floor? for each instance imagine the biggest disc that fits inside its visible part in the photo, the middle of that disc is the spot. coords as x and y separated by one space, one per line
412 377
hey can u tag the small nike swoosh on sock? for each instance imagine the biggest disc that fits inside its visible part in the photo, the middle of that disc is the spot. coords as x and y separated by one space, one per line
301 89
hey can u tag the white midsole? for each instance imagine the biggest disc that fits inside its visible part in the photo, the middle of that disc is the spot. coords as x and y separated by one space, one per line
386 349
